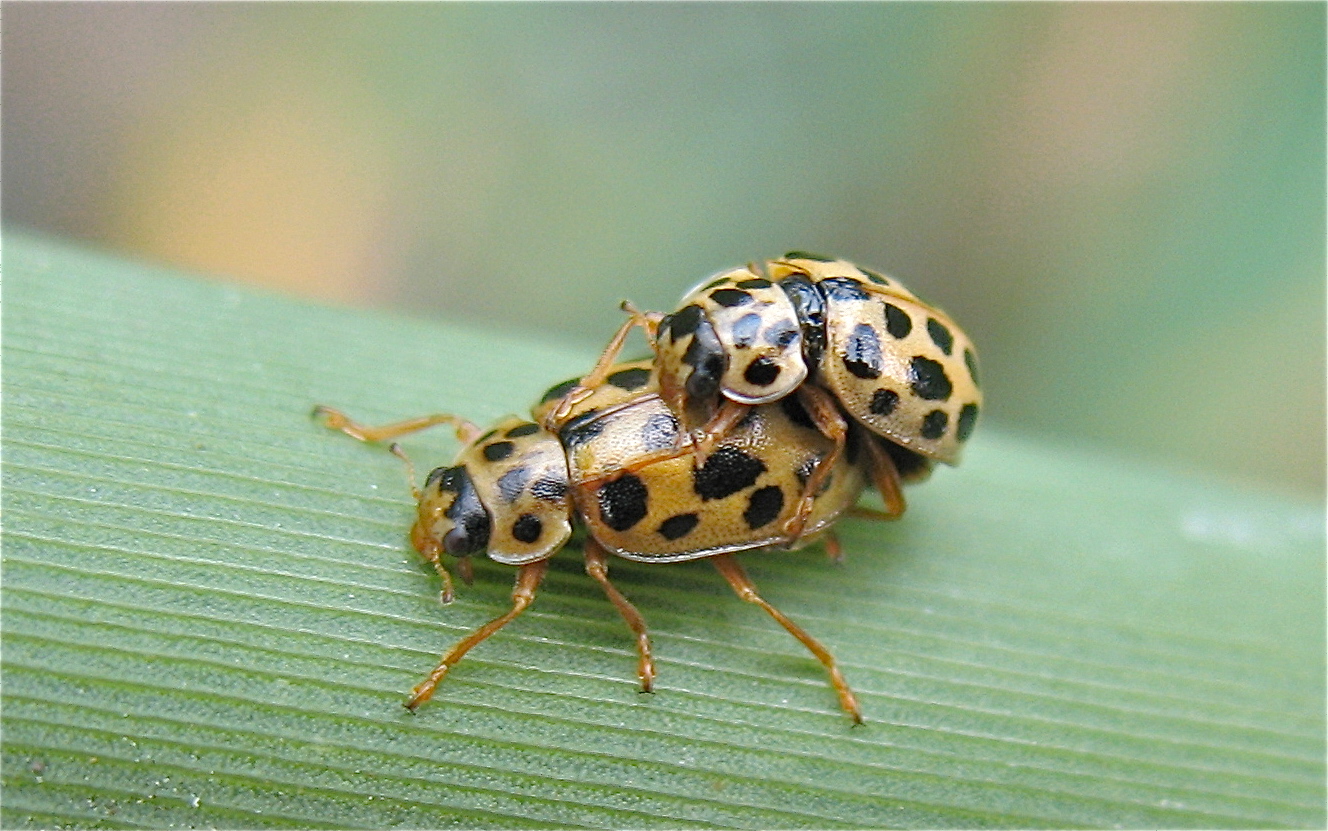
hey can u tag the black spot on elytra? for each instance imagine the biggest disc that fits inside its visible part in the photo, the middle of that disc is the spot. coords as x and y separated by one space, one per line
782 334
559 390
678 526
763 506
745 329
897 321
520 430
874 277
934 424
971 361
884 402
754 283
511 483
940 335
716 282
843 288
622 501
487 436
968 417
761 372
725 472
527 528
660 431
581 429
730 297
630 379
807 255
929 379
498 451
862 353
549 490
796 413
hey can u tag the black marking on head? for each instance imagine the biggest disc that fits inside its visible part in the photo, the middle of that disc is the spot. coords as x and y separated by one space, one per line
874 277
678 526
725 472
883 402
581 429
623 501
809 305
498 451
527 528
683 322
796 413
559 390
630 379
971 361
754 283
782 334
807 255
934 424
527 429
511 483
761 372
660 431
862 353
549 490
708 360
763 506
968 417
446 478
940 335
897 321
730 297
906 461
470 532
843 288
744 330
929 379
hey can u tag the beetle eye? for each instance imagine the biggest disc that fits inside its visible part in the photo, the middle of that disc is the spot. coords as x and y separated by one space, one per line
456 543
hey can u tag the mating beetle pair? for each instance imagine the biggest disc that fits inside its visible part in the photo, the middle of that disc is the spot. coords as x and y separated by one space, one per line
733 438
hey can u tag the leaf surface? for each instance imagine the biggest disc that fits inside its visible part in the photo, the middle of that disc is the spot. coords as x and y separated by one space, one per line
211 615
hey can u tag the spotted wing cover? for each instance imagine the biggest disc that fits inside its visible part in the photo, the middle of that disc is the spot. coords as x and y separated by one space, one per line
644 503
756 323
520 473
902 368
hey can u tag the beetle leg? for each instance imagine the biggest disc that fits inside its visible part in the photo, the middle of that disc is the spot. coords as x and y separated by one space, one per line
742 585
597 566
337 420
729 414
523 592
647 321
886 478
821 408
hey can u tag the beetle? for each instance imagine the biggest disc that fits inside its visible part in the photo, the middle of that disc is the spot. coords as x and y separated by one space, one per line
840 338
609 463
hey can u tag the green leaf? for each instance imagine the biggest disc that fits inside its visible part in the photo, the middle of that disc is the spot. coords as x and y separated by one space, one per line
211 614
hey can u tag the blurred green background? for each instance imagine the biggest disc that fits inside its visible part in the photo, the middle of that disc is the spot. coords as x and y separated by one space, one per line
1122 203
